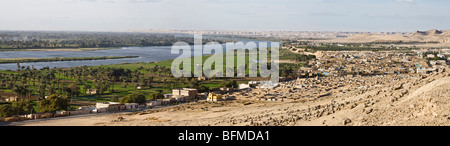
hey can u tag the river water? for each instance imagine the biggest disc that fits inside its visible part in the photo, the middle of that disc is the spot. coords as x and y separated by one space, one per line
146 54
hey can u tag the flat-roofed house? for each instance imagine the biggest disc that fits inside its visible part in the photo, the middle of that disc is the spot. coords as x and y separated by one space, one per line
154 103
214 97
130 106
12 98
92 91
109 106
190 92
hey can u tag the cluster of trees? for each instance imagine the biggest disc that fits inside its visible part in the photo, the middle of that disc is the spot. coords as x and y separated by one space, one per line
345 48
137 97
288 71
48 40
194 83
288 55
435 56
54 103
34 84
71 82
407 42
296 42
51 104
230 84
372 46
156 95
16 108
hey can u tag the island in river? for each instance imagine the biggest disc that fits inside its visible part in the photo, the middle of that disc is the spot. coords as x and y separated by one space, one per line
26 60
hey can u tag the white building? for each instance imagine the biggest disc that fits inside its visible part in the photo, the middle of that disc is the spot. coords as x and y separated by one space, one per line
107 106
154 103
267 85
244 86
185 92
129 106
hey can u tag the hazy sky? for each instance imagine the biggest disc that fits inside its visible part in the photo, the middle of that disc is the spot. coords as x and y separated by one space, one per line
308 15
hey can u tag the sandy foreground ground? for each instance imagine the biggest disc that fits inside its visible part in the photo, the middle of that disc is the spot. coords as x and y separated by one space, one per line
424 101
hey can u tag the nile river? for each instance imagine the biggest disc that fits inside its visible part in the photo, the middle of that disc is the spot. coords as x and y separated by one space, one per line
146 54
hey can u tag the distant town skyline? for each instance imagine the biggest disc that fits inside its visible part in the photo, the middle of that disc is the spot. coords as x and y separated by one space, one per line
227 15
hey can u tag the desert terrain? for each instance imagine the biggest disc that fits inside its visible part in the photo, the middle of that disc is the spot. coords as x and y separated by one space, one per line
429 38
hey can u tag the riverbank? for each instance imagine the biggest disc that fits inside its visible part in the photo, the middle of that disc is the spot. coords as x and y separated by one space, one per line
28 60
61 49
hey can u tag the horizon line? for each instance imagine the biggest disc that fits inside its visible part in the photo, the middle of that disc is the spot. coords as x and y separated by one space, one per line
183 31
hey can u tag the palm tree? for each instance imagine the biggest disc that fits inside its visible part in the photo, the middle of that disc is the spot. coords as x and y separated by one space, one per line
23 91
20 90
41 90
87 87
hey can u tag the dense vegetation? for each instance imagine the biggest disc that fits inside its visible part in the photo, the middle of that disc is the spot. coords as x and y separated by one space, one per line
124 83
49 40
134 98
137 82
372 46
425 55
230 84
24 60
16 108
345 48
54 103
288 55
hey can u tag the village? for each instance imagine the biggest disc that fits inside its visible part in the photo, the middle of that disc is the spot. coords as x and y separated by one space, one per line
354 63
338 72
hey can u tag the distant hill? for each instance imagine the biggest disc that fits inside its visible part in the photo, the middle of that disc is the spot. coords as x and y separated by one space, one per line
446 33
431 36
429 32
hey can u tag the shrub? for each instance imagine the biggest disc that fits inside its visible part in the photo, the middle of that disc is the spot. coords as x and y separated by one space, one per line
202 88
230 84
134 98
22 107
156 95
54 103
6 110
